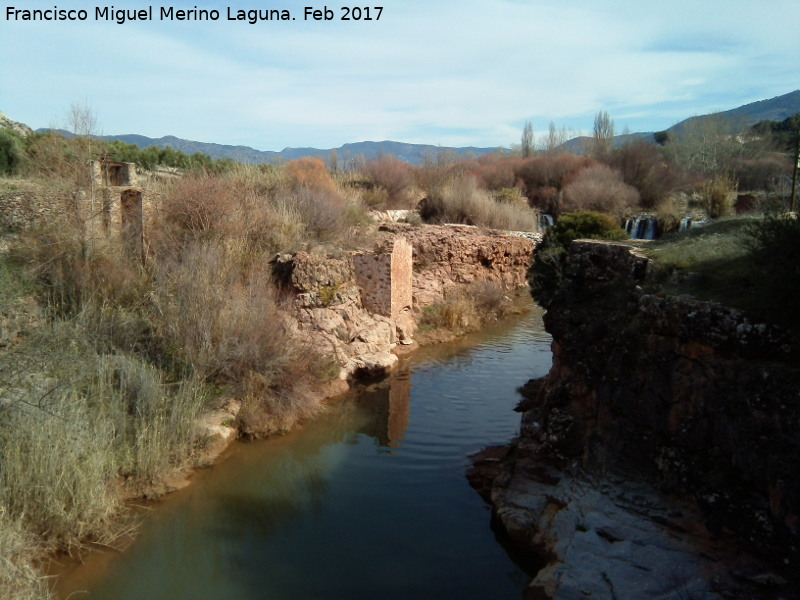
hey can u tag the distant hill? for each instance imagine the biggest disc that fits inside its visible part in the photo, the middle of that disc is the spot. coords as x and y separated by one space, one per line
774 109
414 154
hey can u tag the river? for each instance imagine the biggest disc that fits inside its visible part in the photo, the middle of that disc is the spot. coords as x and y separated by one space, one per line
368 501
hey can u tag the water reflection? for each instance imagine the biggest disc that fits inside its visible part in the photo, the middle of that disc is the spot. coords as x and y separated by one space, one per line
369 501
388 406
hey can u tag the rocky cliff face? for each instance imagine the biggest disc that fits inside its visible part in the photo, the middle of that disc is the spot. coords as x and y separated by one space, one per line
691 400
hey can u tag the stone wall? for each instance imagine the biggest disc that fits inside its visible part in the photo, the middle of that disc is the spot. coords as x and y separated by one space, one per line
359 305
446 256
25 208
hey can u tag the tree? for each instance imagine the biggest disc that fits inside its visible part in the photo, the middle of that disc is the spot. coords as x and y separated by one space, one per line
555 139
526 144
11 152
333 162
707 145
603 138
82 121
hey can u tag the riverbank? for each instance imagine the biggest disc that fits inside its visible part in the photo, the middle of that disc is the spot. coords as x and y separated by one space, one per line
349 485
657 457
173 424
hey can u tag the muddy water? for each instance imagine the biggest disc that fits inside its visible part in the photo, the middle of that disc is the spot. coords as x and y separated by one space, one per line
370 501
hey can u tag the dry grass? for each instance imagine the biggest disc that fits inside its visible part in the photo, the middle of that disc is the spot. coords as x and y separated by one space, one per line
468 308
462 201
19 580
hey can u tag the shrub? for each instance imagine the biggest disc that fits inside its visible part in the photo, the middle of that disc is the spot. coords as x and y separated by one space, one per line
599 188
467 308
199 204
547 272
718 196
323 212
510 195
462 201
774 246
394 176
310 173
644 167
549 171
496 172
71 271
12 154
759 174
667 215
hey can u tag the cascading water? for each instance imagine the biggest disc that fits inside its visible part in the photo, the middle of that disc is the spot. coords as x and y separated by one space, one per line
642 227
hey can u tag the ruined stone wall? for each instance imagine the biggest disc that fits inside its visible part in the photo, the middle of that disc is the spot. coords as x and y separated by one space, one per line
446 256
22 209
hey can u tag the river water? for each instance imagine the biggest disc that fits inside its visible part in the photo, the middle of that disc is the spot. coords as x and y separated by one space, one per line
369 501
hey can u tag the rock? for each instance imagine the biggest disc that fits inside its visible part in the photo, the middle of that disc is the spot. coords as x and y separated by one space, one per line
405 327
218 427
372 366
672 427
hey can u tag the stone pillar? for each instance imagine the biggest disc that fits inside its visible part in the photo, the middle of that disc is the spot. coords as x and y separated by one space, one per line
385 279
132 221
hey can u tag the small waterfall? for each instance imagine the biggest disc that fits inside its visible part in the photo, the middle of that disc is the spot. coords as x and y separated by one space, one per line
642 227
546 220
690 221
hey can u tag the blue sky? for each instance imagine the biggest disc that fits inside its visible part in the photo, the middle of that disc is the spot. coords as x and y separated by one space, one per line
448 72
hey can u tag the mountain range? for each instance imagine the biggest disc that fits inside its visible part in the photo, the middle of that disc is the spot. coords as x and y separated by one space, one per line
774 109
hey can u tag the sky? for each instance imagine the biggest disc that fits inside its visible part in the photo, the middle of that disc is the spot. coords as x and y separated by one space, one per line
443 72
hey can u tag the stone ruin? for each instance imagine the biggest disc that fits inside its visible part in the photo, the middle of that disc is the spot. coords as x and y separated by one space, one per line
112 207
385 278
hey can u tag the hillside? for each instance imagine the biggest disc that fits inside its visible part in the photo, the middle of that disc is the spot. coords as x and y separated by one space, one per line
774 109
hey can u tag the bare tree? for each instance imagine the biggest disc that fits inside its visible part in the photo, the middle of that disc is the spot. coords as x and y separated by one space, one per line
707 145
603 138
526 143
555 139
333 162
82 119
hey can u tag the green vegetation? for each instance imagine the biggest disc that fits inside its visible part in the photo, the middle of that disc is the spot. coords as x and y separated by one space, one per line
12 153
751 263
547 271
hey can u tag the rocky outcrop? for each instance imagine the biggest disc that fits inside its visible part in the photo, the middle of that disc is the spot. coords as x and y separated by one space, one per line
690 400
15 126
359 306
450 255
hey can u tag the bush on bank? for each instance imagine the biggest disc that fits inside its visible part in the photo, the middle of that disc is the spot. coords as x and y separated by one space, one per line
547 271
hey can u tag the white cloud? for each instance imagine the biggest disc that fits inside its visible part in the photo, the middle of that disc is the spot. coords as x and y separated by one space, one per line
467 72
